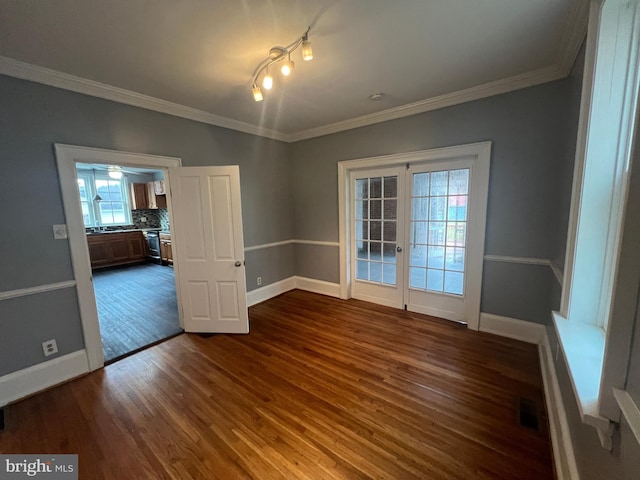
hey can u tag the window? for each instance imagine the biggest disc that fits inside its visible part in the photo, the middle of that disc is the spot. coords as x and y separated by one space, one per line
103 199
601 175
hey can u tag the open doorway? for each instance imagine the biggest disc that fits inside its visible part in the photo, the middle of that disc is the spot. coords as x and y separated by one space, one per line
128 237
205 214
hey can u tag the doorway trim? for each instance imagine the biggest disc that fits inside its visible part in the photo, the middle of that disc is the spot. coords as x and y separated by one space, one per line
67 156
479 152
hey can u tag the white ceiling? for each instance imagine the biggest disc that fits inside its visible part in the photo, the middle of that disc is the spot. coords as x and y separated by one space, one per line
201 54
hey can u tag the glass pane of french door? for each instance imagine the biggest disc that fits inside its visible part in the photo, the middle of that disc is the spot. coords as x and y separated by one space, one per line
438 231
376 207
376 235
439 236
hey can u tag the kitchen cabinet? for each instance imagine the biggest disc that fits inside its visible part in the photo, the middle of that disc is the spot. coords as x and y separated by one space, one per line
143 195
139 196
166 251
117 248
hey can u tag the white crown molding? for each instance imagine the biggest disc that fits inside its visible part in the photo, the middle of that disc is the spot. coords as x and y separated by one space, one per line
574 35
571 43
529 79
47 76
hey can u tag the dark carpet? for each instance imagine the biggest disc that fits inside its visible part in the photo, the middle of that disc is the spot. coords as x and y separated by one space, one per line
137 307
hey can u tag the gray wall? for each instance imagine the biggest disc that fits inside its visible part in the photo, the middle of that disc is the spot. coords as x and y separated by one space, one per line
533 136
32 118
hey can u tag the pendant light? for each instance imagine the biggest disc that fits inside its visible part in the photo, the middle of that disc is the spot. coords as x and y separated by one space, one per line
97 198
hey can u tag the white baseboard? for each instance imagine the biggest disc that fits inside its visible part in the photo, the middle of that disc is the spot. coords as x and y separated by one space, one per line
303 283
28 381
318 286
512 328
563 454
269 291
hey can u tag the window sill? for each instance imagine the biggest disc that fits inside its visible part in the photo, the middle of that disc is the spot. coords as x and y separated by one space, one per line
583 348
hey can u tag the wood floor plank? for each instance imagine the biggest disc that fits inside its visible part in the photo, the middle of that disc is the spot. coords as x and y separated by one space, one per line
320 389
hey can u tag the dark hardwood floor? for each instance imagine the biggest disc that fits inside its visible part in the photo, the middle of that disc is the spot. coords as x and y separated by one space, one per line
321 388
136 307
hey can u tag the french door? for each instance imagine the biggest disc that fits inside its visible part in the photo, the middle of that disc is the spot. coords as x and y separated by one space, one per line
377 235
415 241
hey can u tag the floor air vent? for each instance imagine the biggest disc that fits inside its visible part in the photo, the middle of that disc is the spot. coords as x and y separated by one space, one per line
528 415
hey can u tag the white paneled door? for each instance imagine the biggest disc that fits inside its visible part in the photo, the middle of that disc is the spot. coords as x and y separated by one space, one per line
209 248
417 237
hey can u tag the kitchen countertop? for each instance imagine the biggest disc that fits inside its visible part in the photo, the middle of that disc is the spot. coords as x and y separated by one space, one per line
106 232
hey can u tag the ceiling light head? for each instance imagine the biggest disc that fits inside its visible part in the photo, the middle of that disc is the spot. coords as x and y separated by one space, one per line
115 172
307 52
376 97
257 93
287 67
267 81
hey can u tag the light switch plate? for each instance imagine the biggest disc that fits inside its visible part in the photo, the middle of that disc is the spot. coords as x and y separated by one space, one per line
59 232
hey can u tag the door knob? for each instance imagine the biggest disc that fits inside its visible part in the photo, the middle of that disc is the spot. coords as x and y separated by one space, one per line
398 249
238 263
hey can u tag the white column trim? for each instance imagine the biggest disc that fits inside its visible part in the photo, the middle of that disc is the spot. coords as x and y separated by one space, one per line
49 287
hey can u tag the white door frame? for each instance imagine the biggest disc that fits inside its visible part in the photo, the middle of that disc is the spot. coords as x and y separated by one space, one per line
67 156
480 152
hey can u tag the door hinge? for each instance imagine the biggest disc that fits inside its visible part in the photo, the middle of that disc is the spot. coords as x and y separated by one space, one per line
408 166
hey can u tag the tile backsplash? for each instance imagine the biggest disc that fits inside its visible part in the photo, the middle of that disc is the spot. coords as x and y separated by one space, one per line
163 213
152 216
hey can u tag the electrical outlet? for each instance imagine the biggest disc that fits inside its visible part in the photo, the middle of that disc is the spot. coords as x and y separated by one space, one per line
259 280
59 232
49 347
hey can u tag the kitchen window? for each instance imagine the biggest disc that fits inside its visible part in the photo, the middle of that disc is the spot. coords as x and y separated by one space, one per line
104 200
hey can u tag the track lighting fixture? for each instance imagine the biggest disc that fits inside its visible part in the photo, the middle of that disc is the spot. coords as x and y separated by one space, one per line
279 54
